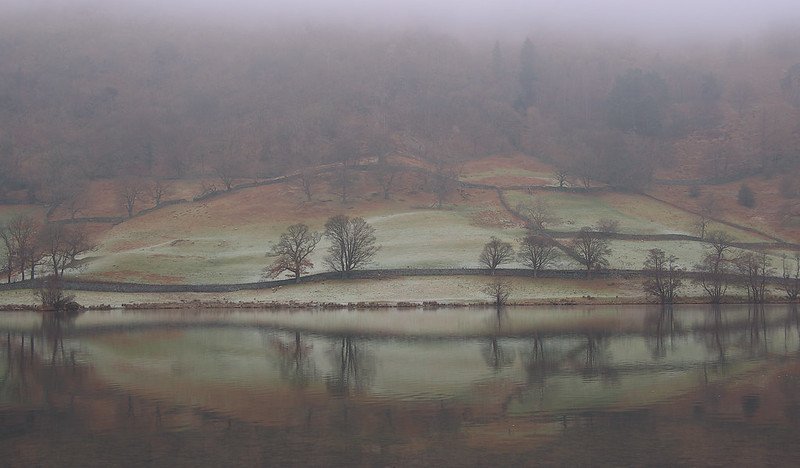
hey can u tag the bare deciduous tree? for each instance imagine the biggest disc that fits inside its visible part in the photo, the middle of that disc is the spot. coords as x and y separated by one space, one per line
353 243
443 182
343 180
61 245
791 278
292 251
19 236
662 278
714 268
306 179
538 215
157 191
130 191
495 253
755 269
386 175
537 252
592 250
499 291
709 207
562 177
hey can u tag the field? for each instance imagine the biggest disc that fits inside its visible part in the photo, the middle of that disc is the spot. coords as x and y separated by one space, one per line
225 239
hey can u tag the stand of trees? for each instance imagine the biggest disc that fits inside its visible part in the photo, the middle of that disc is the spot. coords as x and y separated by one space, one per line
29 245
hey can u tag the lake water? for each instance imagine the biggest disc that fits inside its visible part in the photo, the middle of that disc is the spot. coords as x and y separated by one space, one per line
529 386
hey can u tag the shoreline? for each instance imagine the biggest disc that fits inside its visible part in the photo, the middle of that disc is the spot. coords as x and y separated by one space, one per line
410 292
195 304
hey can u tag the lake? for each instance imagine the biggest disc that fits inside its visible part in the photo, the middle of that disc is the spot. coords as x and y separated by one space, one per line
632 385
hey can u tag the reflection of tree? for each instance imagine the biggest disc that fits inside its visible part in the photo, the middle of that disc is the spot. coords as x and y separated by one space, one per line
755 339
717 341
792 319
30 368
53 326
353 368
539 363
496 355
295 362
664 328
591 358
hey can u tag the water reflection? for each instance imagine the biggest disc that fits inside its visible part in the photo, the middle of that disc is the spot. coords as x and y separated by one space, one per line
295 359
353 367
533 385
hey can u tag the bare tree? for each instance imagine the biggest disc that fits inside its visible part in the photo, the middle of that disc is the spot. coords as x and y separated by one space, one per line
292 251
562 177
791 278
343 181
157 191
495 253
226 170
537 252
714 269
386 175
20 238
499 291
538 215
720 242
443 182
61 245
662 278
592 250
10 253
353 243
755 269
52 243
306 179
129 192
709 207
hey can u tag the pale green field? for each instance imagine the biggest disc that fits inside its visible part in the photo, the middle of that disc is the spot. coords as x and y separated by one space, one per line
409 239
635 214
225 240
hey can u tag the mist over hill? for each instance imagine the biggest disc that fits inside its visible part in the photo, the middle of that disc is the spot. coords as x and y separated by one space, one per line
92 91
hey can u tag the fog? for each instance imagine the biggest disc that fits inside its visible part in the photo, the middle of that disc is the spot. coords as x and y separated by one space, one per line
645 19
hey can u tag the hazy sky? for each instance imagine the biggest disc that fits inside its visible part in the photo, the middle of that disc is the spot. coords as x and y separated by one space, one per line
640 17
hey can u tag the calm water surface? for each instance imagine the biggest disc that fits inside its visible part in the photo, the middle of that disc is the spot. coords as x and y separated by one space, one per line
529 386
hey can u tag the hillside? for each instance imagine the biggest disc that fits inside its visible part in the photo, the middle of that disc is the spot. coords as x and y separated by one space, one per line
224 239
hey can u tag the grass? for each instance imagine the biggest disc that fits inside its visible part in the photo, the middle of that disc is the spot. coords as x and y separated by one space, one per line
635 214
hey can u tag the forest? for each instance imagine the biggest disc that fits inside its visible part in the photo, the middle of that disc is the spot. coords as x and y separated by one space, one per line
86 95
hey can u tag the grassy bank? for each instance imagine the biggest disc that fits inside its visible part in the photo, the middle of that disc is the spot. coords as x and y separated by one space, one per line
389 292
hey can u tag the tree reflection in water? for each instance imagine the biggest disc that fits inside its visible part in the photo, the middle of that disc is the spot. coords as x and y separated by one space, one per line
494 353
716 341
295 361
353 367
664 328
32 370
755 331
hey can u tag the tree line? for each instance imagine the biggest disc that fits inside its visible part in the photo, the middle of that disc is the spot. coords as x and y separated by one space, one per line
29 246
